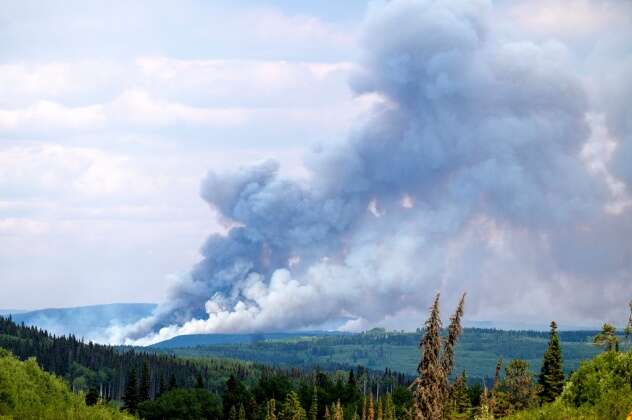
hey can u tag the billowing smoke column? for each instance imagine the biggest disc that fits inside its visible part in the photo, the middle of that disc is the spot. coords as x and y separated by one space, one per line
468 175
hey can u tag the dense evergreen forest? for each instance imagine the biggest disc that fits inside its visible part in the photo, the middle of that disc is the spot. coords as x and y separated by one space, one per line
159 386
377 349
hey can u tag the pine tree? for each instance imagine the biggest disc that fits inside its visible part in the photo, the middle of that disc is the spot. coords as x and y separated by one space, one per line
242 412
428 404
162 387
271 410
199 382
459 397
292 409
339 413
327 414
518 386
143 389
313 409
371 409
551 375
130 399
173 384
363 416
379 409
389 408
492 399
454 332
607 337
232 414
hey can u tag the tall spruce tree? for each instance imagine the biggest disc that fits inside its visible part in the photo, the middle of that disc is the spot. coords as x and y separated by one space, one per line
143 388
313 409
130 398
199 381
551 374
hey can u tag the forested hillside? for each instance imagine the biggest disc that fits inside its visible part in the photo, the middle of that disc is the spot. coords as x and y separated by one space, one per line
106 368
477 351
27 392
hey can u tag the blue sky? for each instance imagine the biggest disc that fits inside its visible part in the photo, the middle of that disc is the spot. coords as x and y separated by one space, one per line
112 113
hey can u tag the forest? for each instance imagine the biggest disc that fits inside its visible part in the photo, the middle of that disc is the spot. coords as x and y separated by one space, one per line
44 376
378 349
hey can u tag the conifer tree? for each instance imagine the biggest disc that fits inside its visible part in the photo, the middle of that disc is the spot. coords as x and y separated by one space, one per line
607 337
428 404
162 387
492 397
199 382
371 409
389 408
363 417
454 332
292 409
437 360
518 386
379 409
551 377
339 413
313 409
232 414
143 388
327 414
242 412
173 384
130 399
459 397
271 410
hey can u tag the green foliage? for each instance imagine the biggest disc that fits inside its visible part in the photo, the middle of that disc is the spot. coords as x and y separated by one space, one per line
292 408
477 351
459 403
608 372
131 398
551 377
27 392
600 389
516 391
182 404
607 338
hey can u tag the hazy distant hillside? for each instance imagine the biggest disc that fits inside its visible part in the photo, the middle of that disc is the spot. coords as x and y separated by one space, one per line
477 351
89 322
194 340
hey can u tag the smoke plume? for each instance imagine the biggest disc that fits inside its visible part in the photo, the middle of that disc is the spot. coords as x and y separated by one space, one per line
475 171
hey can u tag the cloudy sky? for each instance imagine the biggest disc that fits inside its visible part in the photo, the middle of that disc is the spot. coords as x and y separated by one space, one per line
111 113
507 132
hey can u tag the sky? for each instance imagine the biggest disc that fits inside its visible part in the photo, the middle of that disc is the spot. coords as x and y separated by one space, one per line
226 158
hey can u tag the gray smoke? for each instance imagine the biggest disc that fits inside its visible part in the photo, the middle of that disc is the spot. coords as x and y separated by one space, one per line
469 174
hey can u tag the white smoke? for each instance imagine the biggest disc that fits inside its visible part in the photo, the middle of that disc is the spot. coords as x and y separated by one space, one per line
475 172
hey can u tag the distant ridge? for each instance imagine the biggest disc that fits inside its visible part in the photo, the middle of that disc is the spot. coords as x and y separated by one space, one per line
194 340
89 322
